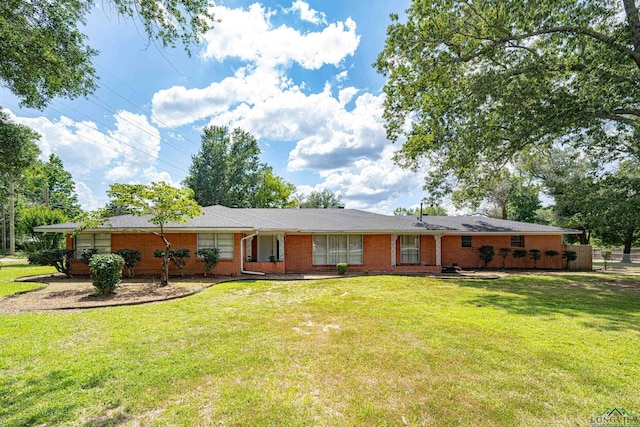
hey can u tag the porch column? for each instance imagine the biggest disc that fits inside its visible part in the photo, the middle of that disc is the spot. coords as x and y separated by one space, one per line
249 246
280 238
437 238
394 238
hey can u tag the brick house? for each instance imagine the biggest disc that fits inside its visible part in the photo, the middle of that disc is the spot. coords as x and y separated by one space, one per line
307 240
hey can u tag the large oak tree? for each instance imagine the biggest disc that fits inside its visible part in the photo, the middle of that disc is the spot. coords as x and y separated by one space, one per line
474 84
44 54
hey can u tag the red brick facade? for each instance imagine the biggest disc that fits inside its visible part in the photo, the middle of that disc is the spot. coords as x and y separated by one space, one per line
298 254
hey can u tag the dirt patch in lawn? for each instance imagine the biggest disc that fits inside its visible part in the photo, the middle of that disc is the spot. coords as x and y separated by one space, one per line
60 293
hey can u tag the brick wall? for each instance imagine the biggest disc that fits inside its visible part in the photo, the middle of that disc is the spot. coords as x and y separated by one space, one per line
453 252
147 243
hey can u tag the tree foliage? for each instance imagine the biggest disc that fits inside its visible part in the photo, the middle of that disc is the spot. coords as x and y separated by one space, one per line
325 199
163 203
475 84
50 184
18 149
131 257
227 171
43 53
36 216
58 258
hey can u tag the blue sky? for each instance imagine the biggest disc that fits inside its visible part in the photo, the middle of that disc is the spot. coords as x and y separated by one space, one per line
295 74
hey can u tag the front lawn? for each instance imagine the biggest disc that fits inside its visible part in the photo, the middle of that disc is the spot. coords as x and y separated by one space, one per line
12 270
524 350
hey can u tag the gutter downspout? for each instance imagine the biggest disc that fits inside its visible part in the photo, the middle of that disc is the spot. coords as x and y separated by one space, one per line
242 270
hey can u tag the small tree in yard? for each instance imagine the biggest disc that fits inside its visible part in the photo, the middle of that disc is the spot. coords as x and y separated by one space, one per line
210 257
569 256
58 258
131 257
518 254
551 253
504 253
606 256
106 272
164 203
534 254
486 254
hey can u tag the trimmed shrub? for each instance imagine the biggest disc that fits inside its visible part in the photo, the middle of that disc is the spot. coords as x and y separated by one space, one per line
86 254
177 256
486 254
106 272
342 267
131 257
569 256
504 253
58 258
518 254
534 254
551 253
210 257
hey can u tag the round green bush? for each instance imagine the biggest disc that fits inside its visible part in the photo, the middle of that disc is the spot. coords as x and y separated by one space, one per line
106 272
342 267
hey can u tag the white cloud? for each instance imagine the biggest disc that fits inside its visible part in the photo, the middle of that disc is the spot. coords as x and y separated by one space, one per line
249 35
377 185
125 153
308 14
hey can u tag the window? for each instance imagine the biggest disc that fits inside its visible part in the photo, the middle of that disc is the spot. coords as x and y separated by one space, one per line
337 248
100 242
517 241
224 243
467 241
409 249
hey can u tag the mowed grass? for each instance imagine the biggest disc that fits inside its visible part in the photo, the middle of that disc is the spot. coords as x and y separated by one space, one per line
11 270
379 350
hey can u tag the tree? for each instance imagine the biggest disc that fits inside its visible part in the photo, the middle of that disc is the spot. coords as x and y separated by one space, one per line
509 195
48 183
43 53
163 203
326 199
617 201
41 215
227 171
18 150
485 82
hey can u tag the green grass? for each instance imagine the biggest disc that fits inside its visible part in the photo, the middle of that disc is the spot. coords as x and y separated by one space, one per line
12 270
524 350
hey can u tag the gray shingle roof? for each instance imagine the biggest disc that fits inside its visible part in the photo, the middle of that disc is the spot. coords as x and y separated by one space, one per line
322 221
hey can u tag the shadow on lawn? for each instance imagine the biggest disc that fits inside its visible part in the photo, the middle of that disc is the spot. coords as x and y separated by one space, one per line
44 400
613 300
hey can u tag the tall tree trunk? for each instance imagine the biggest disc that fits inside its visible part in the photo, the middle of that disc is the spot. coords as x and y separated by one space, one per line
164 275
12 220
628 241
4 229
